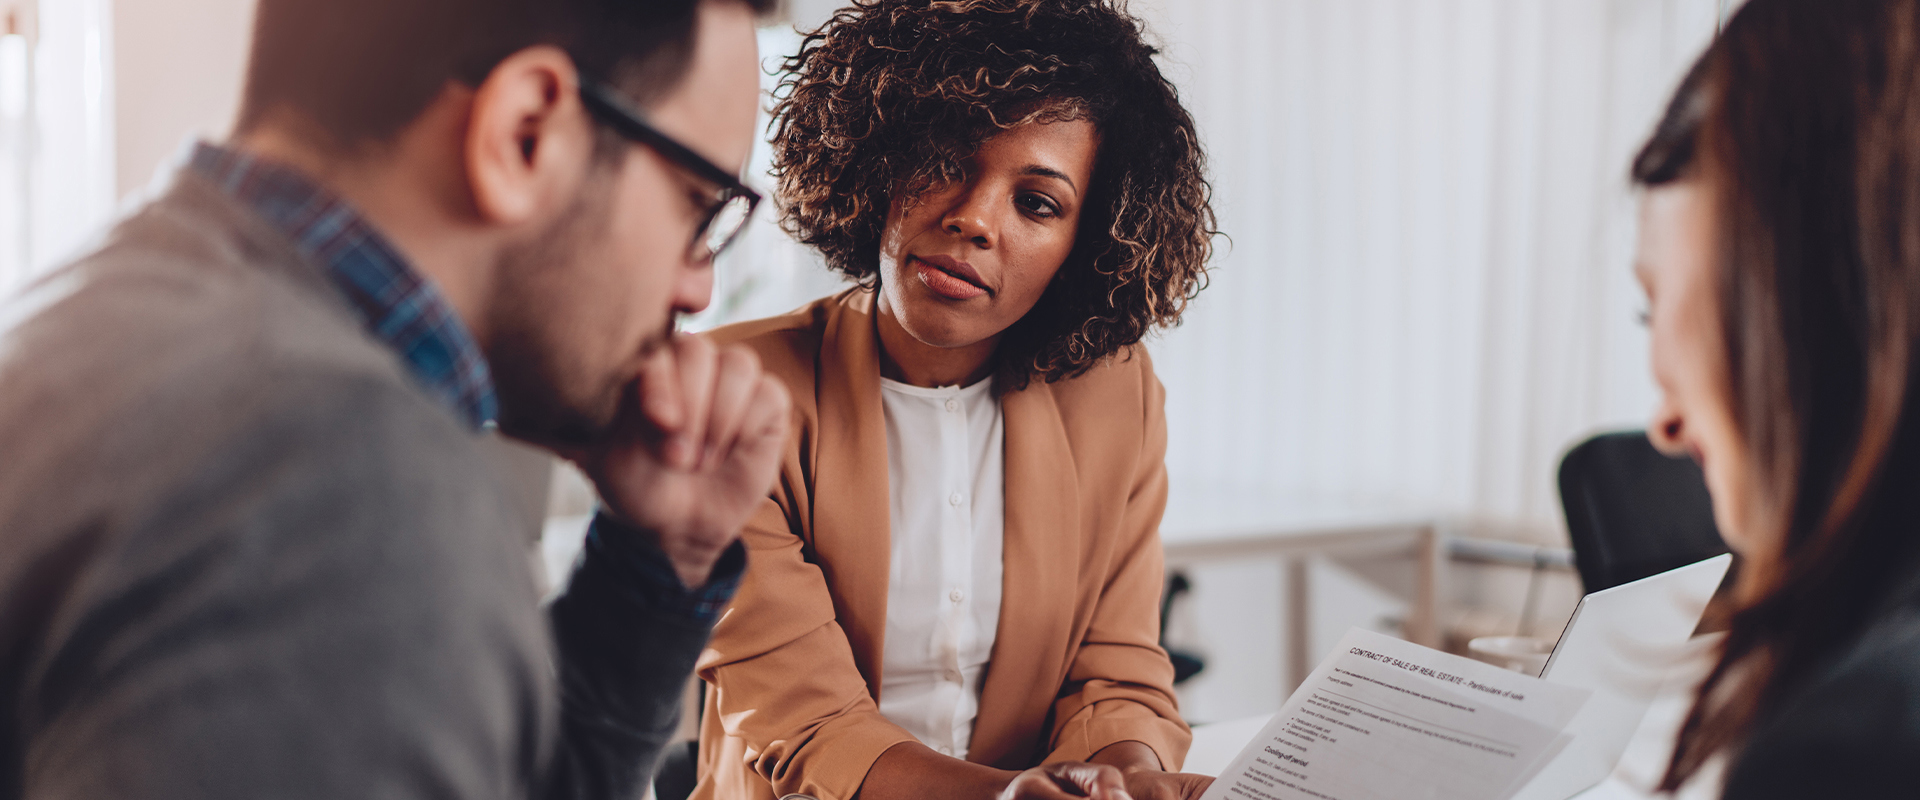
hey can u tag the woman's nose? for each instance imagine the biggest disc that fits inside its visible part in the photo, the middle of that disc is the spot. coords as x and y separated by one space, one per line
1667 429
969 217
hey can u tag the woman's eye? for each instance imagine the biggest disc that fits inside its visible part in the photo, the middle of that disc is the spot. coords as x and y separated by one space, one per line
1037 205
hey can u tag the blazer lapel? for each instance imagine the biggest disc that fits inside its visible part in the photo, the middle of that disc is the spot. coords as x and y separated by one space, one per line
850 511
1041 563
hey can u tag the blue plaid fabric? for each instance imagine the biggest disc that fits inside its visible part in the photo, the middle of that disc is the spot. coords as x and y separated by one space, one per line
396 304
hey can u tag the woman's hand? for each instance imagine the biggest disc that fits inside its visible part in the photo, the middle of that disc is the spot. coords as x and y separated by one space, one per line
1155 785
1068 780
1141 769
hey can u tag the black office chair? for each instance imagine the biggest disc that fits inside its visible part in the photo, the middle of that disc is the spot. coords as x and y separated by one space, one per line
1185 664
1632 511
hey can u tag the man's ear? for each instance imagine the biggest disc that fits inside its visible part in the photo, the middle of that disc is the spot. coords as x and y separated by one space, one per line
529 140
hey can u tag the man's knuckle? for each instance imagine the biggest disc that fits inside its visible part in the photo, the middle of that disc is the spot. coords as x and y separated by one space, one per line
747 359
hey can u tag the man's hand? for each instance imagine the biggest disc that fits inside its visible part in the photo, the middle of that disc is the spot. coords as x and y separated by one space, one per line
1066 780
696 451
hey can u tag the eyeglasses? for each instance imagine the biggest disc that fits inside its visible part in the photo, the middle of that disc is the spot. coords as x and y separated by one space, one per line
729 214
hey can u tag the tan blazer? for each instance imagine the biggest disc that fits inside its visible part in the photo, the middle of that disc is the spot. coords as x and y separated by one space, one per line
794 665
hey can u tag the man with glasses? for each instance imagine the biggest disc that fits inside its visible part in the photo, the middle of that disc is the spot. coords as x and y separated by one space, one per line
249 544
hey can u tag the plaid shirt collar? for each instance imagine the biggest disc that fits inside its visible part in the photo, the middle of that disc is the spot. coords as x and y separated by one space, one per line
396 304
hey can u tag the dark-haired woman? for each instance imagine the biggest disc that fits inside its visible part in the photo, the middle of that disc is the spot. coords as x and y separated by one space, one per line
1780 252
957 578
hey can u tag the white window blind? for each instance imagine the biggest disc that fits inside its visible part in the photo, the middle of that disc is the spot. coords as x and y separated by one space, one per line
16 77
56 144
1428 292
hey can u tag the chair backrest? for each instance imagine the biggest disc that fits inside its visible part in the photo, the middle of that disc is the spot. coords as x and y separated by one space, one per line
1632 511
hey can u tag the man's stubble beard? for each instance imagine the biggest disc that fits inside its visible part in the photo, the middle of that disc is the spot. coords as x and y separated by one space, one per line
549 395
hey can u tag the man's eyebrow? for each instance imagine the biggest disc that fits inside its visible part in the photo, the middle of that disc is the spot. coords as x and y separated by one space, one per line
1048 172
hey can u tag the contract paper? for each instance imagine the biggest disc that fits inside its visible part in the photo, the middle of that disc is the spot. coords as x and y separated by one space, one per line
1391 720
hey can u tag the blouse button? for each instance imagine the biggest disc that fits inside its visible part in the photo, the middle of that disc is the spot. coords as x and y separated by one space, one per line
953 405
956 595
954 498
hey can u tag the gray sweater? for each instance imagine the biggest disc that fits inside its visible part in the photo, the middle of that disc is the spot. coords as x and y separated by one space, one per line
243 554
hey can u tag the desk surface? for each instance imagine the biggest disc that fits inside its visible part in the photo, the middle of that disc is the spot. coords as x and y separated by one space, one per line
1215 745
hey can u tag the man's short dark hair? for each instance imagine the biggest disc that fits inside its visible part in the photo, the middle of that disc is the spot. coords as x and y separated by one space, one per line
362 69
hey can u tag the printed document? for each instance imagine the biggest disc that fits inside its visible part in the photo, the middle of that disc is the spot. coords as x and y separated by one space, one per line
1390 720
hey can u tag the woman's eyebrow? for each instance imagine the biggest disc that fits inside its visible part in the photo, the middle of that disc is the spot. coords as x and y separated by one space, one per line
1048 172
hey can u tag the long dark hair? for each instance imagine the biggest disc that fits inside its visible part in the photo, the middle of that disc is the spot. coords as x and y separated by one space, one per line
1803 120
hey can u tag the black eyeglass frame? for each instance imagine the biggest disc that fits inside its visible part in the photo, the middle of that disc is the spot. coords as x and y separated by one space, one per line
615 112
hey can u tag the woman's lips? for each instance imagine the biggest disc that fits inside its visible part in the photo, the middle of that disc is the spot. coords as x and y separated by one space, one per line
944 284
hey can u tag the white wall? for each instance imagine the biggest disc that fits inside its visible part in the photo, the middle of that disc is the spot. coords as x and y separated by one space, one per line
178 67
16 93
60 152
1427 295
116 87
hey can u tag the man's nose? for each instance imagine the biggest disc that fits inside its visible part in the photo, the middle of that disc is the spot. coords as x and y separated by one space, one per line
693 292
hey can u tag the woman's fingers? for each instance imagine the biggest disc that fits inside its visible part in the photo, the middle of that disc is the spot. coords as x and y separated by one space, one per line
1068 780
1098 781
1191 786
1033 785
1152 785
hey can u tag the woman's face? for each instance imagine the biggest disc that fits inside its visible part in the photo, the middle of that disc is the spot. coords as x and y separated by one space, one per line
1676 265
962 262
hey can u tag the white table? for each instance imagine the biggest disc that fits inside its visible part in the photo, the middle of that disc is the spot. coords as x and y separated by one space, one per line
1221 524
1645 761
1639 770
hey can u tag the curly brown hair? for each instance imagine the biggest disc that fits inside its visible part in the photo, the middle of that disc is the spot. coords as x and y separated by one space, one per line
890 97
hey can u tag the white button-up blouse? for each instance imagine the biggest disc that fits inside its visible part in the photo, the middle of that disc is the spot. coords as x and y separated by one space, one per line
945 464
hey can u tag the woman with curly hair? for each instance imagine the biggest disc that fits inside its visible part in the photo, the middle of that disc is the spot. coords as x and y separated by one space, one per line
957 577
